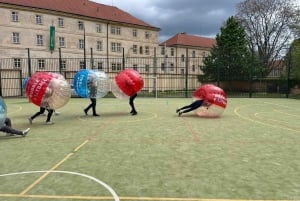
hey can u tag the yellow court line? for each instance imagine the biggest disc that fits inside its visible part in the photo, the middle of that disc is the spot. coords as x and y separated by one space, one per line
236 111
123 198
53 168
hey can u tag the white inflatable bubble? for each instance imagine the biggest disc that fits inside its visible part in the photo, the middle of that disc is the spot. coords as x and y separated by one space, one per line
3 111
91 83
48 90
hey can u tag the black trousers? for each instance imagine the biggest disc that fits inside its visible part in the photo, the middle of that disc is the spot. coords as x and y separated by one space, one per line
8 129
42 111
194 105
92 105
131 102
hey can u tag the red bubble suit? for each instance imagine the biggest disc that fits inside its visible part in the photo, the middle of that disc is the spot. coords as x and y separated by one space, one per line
127 83
215 100
48 90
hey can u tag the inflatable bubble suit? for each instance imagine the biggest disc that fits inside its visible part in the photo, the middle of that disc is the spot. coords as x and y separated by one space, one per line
3 111
24 83
127 83
48 90
91 83
214 96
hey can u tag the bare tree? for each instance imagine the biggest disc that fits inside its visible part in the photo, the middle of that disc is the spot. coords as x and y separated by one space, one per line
269 27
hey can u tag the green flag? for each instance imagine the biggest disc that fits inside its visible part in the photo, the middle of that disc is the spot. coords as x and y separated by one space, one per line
52 38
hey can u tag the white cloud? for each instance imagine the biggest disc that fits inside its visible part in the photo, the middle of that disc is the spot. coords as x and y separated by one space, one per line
198 17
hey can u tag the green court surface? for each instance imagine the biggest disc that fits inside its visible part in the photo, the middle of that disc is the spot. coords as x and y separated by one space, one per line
251 152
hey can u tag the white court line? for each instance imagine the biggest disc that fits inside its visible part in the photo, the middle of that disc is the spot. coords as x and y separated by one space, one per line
115 196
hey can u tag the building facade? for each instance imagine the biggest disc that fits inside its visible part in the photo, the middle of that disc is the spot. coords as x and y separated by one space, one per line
68 35
47 30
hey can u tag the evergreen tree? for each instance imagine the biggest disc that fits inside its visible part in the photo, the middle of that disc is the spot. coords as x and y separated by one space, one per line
230 58
292 61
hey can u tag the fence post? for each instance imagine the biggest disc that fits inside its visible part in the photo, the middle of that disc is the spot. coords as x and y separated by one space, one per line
92 59
289 72
218 74
84 50
186 72
29 62
123 58
251 74
155 73
60 60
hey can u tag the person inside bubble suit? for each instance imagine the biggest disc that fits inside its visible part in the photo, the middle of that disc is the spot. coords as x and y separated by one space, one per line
45 106
131 103
92 86
10 131
193 106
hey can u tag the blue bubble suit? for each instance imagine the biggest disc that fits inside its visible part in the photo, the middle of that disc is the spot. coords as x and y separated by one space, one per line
91 83
24 83
3 111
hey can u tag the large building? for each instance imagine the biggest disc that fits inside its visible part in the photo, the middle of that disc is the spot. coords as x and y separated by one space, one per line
76 27
68 35
186 50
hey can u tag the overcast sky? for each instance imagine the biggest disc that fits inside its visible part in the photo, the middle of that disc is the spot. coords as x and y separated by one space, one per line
195 17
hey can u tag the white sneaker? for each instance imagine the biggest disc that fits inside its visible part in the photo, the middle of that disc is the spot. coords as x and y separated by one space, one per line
24 133
49 122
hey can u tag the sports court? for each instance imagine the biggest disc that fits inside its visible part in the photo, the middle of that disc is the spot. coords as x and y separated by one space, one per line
251 152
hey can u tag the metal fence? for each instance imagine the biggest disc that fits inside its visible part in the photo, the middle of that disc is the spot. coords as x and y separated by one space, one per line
163 76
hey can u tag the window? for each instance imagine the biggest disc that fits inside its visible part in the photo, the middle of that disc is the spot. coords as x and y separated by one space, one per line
119 66
80 25
141 49
113 66
81 44
193 68
193 54
163 50
147 35
61 41
14 16
172 52
116 47
134 33
63 64
134 49
203 54
98 28
100 66
182 58
61 22
163 68
41 63
135 67
38 19
171 67
99 46
115 30
182 71
16 38
82 65
116 66
17 62
147 50
39 40
147 67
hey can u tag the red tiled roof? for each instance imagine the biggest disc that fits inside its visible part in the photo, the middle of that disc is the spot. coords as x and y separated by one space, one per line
83 8
184 39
